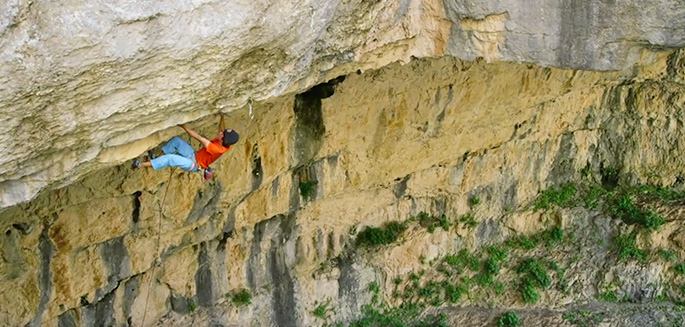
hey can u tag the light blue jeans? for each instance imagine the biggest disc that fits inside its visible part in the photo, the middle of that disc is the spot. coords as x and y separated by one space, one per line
185 159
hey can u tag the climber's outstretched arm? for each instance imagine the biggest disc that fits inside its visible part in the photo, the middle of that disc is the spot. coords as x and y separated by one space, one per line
222 125
195 135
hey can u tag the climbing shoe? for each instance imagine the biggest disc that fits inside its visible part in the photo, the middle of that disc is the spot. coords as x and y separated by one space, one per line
209 173
136 163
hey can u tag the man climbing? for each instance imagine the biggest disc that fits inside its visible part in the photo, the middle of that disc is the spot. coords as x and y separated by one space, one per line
178 153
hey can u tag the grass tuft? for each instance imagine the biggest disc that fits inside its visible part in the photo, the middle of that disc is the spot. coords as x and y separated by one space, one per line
535 276
389 233
509 319
623 208
242 298
563 196
626 248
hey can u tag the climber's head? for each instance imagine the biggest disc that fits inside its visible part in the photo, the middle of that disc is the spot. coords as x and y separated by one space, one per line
229 138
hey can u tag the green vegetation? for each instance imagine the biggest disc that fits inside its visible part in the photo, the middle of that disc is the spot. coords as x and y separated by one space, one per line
468 220
509 319
623 208
462 260
658 193
308 188
582 318
620 202
475 275
389 233
627 249
500 288
242 298
608 296
534 277
667 255
322 309
562 196
679 268
549 237
431 222
474 201
454 293
491 266
406 315
192 306
374 287
592 196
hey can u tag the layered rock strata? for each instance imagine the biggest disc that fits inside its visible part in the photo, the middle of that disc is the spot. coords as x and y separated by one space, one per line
312 170
89 84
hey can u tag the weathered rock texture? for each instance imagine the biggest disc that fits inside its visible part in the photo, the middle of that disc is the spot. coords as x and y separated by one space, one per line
89 84
382 145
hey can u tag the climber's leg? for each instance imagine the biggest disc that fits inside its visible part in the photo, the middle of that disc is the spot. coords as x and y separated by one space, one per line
171 160
178 145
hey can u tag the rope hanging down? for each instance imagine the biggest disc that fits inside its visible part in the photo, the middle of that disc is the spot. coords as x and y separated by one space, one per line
159 234
159 225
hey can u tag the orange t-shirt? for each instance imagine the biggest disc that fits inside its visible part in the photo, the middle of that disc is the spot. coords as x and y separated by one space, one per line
213 151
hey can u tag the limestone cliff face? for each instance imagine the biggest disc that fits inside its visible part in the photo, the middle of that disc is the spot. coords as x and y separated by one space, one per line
281 217
89 84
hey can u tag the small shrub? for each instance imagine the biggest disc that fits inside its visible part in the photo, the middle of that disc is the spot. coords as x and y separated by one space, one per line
372 236
535 275
654 192
552 236
429 290
623 208
522 242
497 253
592 196
500 288
242 298
679 269
445 223
192 306
667 255
321 310
492 266
609 296
374 288
529 293
627 249
431 222
474 201
406 315
484 279
461 260
468 220
582 318
454 293
562 196
509 319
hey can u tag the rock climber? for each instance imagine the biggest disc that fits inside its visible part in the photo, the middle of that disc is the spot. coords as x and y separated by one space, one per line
178 153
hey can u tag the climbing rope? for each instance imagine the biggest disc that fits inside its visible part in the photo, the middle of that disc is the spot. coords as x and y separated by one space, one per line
161 210
251 115
159 235
249 103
